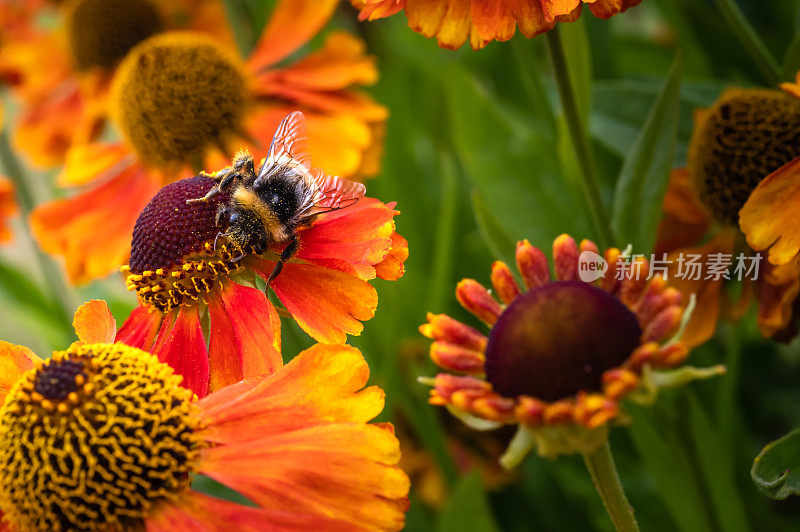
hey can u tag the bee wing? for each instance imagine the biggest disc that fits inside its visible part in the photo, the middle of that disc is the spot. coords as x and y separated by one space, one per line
288 147
332 193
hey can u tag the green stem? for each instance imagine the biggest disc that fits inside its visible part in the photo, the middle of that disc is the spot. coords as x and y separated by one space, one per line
604 475
580 142
752 43
63 293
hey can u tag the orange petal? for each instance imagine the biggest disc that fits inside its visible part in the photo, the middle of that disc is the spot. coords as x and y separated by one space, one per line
181 344
245 335
352 240
375 9
197 512
778 288
92 230
297 441
85 162
141 328
14 361
769 218
703 322
449 21
323 384
327 304
392 267
341 62
94 323
494 19
8 207
685 219
344 471
291 25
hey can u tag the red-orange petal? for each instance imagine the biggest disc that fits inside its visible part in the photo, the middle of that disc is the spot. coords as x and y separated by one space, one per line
197 512
327 304
140 328
769 218
14 361
565 258
474 297
443 327
181 344
504 283
532 265
8 207
291 25
245 335
94 323
352 240
92 230
685 220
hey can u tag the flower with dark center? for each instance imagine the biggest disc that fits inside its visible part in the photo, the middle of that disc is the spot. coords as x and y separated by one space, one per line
560 354
101 32
102 437
453 22
181 269
186 100
745 136
64 89
742 170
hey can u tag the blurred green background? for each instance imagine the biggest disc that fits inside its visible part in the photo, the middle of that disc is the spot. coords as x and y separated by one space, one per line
476 158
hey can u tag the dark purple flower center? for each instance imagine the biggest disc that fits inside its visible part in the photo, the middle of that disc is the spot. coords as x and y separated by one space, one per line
168 228
558 339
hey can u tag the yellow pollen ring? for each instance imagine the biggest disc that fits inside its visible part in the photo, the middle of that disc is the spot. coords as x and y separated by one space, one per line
167 288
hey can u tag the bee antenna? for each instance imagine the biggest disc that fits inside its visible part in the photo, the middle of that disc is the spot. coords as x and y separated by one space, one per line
216 238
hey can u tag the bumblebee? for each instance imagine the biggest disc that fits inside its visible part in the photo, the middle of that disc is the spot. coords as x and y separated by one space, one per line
268 206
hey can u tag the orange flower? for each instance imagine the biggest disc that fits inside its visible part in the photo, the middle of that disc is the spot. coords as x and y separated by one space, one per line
8 207
297 443
62 76
735 175
182 265
561 353
172 117
452 22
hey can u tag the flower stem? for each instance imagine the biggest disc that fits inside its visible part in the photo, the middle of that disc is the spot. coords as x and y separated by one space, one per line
63 293
580 142
604 475
752 43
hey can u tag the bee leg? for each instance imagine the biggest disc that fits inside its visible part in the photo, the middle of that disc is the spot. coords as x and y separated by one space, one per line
287 253
210 194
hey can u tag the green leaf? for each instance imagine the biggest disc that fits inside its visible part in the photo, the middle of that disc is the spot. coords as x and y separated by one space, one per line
579 63
467 510
496 239
512 165
26 294
666 460
645 172
717 466
791 60
776 469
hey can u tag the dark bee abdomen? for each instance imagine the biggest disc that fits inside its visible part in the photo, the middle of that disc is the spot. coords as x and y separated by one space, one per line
281 196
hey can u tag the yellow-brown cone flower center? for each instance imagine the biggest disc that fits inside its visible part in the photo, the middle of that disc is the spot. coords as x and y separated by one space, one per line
101 32
558 339
176 256
176 94
745 136
93 438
